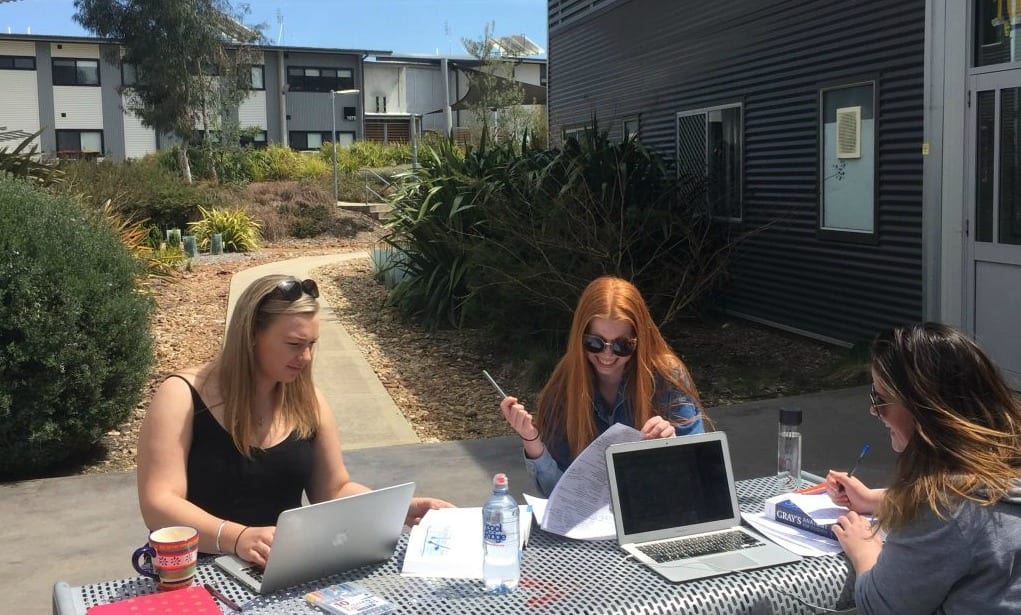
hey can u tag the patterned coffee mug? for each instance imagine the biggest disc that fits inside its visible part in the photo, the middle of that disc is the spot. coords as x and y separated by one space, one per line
170 557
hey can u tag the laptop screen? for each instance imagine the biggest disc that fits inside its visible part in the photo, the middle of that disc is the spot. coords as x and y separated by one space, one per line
672 486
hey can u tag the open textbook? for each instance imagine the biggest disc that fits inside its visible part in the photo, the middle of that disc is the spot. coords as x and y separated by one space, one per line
448 543
579 506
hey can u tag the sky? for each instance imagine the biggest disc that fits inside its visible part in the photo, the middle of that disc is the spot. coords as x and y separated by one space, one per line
427 27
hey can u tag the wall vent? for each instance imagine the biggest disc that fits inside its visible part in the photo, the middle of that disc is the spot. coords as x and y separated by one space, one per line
849 132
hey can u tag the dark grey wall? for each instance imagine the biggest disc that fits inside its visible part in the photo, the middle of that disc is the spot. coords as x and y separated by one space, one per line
654 58
273 88
310 111
47 112
113 115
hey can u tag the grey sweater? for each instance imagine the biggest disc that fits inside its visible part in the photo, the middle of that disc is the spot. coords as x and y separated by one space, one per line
969 563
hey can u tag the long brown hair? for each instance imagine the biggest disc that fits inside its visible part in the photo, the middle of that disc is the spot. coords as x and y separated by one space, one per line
565 403
254 311
967 440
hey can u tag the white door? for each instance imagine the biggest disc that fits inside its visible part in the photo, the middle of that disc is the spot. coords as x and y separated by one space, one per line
993 265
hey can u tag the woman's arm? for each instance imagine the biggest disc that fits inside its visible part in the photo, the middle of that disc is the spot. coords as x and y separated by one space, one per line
544 471
163 445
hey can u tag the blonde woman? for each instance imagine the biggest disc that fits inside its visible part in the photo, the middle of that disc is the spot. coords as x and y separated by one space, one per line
225 447
617 369
953 510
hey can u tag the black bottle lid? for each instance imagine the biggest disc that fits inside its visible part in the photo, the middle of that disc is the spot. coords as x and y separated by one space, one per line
790 416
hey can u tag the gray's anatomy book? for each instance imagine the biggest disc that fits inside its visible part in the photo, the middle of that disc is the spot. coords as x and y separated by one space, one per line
814 513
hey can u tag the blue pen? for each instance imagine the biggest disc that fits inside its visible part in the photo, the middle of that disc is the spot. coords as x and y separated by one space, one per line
864 450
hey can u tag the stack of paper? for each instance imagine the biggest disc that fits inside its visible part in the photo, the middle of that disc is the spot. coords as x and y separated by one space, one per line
579 506
448 543
817 508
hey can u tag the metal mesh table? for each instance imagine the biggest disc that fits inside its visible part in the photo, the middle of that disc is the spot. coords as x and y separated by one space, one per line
558 575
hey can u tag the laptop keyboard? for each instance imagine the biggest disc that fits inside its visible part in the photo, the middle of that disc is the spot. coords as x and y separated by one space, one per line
694 546
255 572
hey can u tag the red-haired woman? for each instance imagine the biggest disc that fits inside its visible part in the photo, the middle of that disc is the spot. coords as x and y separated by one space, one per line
617 369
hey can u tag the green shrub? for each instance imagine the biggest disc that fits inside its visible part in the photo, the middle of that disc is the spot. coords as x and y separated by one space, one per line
75 348
143 189
22 162
240 231
366 154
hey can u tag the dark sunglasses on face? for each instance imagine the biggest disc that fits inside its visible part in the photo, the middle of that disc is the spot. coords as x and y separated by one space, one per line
291 289
622 347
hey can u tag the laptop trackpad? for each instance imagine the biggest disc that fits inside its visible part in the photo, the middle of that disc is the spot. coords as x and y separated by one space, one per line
732 561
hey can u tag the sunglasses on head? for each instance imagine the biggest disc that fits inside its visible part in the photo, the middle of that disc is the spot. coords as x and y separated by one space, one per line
622 347
292 289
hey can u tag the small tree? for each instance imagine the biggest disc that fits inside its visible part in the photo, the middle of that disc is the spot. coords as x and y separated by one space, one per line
496 104
191 58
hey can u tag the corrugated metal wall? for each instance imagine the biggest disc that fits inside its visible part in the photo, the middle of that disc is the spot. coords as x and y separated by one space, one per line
658 57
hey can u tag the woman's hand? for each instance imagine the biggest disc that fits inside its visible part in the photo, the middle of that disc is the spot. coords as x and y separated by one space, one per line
851 493
518 418
658 427
254 543
420 506
860 542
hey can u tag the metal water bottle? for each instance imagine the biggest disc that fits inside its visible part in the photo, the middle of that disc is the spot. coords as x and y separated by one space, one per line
788 450
501 564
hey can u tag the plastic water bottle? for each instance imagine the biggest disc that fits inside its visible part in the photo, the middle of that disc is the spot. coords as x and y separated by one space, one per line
501 564
788 450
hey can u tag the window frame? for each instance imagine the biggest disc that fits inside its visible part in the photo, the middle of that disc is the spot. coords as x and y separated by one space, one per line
64 131
325 135
836 233
705 110
625 122
14 62
262 71
300 83
77 83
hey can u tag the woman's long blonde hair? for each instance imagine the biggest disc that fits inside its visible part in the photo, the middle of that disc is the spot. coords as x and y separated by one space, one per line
254 311
967 440
565 403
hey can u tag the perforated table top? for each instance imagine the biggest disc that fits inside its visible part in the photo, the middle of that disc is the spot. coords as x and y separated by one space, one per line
558 575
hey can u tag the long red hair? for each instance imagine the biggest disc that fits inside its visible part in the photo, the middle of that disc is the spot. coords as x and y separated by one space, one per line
565 403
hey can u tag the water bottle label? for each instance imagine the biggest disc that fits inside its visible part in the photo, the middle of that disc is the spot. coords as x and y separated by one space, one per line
494 533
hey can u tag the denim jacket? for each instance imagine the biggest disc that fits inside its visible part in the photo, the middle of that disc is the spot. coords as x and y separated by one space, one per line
547 469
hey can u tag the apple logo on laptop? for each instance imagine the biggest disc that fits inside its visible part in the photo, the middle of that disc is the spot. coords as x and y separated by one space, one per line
340 539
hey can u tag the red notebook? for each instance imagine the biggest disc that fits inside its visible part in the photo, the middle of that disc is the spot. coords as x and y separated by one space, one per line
195 600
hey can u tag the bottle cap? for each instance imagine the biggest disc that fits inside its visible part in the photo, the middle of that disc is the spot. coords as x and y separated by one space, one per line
790 416
500 480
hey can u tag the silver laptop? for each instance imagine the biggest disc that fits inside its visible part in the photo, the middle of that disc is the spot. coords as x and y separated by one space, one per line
315 541
675 507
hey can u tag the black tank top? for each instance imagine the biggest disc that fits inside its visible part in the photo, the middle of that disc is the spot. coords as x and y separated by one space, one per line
225 483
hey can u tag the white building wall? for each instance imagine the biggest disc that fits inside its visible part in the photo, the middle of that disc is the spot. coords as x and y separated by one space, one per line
385 81
19 93
252 112
77 107
73 50
138 139
528 73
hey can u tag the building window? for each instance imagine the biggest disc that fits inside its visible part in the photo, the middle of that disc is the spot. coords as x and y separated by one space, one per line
75 143
345 139
129 74
381 104
308 141
710 147
576 132
70 71
995 32
312 79
258 77
847 161
350 113
256 139
17 63
629 129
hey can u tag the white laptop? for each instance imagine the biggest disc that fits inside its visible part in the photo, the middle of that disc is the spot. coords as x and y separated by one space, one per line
315 541
675 507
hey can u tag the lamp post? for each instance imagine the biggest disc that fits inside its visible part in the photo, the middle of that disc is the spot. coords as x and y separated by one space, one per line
333 117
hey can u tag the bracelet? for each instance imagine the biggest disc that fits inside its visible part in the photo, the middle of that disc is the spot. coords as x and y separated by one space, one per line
239 538
218 531
524 439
